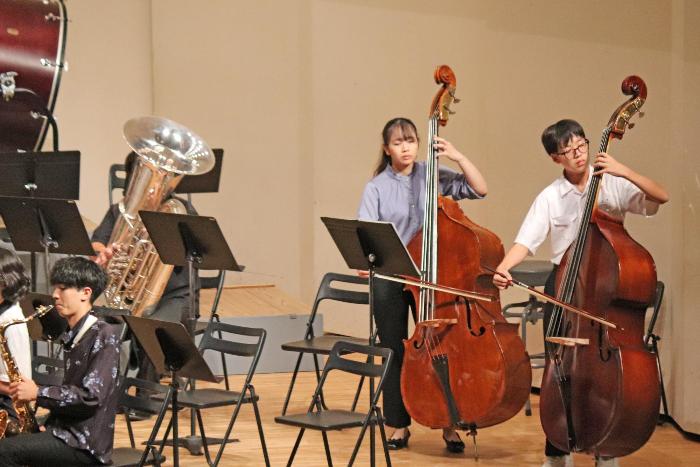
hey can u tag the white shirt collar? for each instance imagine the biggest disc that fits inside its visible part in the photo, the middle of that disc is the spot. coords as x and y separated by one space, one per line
565 186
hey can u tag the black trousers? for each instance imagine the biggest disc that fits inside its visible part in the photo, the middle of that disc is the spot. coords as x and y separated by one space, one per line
41 449
549 448
391 305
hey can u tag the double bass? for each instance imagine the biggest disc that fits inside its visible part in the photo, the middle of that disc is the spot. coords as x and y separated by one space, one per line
600 390
465 366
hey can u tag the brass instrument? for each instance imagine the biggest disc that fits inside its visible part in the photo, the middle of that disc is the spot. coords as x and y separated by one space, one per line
166 152
26 421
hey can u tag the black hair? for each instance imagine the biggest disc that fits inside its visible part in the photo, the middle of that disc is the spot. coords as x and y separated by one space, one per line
13 278
79 272
557 136
406 126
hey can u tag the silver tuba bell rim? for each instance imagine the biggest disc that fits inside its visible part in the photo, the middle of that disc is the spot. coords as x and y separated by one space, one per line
169 145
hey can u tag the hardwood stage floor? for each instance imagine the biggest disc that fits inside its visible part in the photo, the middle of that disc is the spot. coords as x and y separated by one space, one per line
517 442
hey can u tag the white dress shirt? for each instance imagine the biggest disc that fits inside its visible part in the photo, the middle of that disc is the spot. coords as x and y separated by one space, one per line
557 209
17 342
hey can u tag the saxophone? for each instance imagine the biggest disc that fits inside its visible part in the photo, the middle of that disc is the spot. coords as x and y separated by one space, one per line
26 421
166 152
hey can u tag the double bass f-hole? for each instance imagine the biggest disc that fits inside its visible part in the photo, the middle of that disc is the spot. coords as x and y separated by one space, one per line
468 311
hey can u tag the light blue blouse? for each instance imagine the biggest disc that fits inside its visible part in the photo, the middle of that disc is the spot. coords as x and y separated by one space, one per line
400 199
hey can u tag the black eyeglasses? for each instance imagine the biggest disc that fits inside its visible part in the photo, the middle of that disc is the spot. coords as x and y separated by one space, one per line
571 152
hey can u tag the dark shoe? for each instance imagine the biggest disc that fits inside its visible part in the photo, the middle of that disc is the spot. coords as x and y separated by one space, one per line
395 444
454 446
138 415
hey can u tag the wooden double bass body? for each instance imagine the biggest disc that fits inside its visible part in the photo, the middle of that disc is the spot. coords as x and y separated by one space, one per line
464 367
603 397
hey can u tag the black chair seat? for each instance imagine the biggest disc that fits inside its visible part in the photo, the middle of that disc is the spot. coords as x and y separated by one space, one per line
128 457
326 419
532 272
321 344
207 398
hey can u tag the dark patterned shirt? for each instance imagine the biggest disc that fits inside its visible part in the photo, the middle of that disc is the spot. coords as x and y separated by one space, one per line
84 407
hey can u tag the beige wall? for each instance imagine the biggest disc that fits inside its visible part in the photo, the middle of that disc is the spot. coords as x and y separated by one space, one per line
296 92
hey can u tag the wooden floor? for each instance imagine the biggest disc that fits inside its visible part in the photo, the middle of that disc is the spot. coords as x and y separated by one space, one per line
517 442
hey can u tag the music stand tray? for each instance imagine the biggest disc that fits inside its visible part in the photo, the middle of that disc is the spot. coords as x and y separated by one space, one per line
41 174
371 245
47 328
48 225
204 183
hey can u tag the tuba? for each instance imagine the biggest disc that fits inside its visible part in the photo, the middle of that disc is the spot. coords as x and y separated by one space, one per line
166 152
26 421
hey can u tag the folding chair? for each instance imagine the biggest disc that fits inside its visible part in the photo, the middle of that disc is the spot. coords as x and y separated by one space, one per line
241 342
131 456
318 418
322 345
115 181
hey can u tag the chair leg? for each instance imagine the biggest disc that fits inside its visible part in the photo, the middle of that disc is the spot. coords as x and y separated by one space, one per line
380 422
205 444
236 411
291 384
296 446
358 443
327 448
156 427
357 394
258 420
318 379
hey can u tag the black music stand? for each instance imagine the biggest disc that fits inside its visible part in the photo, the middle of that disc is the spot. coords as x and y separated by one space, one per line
374 247
204 183
35 175
169 347
198 243
45 225
41 174
47 328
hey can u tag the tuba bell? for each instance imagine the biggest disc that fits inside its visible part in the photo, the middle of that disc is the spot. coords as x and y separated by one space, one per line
166 151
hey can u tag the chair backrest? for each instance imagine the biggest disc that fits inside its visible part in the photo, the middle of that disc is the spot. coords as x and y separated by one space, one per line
47 371
327 290
144 404
338 360
236 340
115 181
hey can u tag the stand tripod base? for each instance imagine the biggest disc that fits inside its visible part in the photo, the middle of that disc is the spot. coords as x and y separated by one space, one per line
194 444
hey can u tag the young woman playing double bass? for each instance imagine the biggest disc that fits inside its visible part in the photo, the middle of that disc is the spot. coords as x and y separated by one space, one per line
557 211
396 194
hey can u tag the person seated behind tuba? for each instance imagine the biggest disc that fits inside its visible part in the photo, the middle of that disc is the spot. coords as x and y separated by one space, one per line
80 427
174 303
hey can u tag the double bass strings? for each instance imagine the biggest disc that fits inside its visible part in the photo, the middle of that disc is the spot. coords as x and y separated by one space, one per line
566 292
